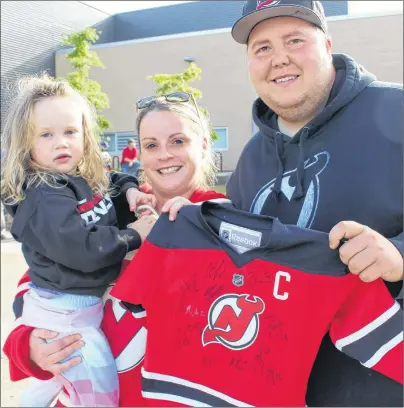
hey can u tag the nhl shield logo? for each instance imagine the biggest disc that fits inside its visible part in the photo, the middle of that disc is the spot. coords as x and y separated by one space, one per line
233 321
238 280
266 3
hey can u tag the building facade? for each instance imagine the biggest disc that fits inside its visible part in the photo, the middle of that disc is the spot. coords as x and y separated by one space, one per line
161 40
31 32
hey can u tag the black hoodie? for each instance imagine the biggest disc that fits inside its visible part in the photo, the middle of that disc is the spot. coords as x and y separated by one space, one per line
345 164
71 239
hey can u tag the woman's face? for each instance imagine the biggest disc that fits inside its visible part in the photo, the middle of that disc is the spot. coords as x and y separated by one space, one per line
171 153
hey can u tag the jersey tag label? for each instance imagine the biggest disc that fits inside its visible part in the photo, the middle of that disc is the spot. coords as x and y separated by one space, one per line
239 238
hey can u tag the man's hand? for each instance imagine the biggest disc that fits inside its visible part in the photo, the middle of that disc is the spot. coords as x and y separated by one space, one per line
367 253
47 356
136 198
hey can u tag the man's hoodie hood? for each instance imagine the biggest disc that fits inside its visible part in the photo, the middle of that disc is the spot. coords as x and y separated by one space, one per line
350 80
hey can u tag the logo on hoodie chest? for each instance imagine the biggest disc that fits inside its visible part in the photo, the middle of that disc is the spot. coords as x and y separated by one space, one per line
92 211
308 205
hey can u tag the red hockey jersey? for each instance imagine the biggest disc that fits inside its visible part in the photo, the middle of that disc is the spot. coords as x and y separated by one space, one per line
125 331
237 305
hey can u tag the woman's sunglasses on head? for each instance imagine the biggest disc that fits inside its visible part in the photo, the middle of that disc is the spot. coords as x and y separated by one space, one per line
175 97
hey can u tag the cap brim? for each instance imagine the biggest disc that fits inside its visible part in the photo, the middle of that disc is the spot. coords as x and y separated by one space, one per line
242 28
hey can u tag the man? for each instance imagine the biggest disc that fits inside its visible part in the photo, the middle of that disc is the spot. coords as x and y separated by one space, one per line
130 163
328 156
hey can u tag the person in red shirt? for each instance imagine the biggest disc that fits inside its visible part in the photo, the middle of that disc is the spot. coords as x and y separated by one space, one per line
130 163
175 149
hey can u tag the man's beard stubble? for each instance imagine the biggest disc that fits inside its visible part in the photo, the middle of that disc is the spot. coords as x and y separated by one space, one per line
308 105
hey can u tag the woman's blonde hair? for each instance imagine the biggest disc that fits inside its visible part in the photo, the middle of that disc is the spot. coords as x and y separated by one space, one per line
18 170
200 124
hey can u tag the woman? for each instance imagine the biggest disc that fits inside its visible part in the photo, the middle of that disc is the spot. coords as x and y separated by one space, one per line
175 149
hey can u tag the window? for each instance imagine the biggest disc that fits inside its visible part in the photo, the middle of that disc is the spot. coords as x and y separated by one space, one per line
118 141
222 143
122 139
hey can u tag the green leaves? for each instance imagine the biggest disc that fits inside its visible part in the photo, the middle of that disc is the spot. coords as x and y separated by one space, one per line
82 60
178 82
169 83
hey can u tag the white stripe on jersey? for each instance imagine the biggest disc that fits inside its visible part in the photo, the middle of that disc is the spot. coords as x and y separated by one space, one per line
215 200
368 328
65 400
174 398
22 287
190 384
383 350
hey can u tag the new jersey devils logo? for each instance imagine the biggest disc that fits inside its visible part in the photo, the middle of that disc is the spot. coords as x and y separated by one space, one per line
233 321
266 3
306 214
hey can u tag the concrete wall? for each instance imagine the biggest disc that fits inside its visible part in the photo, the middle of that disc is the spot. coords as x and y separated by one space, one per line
376 43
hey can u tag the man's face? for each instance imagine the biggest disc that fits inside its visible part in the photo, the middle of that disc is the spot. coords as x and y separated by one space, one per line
131 145
290 65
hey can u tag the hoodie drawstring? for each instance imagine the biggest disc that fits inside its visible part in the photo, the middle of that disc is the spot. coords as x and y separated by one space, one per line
279 153
300 165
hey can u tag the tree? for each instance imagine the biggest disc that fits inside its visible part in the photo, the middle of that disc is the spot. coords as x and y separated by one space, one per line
82 59
169 83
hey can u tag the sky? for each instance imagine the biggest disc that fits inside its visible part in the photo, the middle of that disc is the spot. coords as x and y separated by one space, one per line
354 7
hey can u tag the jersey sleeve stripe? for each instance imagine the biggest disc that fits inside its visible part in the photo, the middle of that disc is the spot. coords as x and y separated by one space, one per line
339 344
178 393
367 346
187 389
384 350
215 200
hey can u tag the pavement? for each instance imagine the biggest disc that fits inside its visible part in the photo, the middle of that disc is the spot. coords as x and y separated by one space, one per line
13 267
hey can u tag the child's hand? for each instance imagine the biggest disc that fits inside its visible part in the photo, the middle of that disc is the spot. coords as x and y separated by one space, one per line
173 206
143 225
136 198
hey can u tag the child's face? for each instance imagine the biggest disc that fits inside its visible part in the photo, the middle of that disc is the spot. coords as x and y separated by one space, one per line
58 135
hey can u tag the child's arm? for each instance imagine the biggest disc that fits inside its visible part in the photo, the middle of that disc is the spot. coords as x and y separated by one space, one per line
122 182
51 225
126 197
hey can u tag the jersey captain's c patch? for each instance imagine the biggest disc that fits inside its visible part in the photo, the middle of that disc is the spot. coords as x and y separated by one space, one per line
233 320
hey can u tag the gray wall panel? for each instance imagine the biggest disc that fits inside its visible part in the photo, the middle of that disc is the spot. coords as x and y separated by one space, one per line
31 32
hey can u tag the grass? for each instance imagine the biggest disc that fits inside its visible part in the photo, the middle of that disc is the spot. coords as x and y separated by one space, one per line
221 188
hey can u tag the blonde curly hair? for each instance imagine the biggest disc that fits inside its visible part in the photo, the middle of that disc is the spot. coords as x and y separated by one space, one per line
18 170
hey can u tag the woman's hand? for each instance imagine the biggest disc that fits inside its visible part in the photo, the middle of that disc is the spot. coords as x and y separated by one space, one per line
136 198
47 356
173 206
